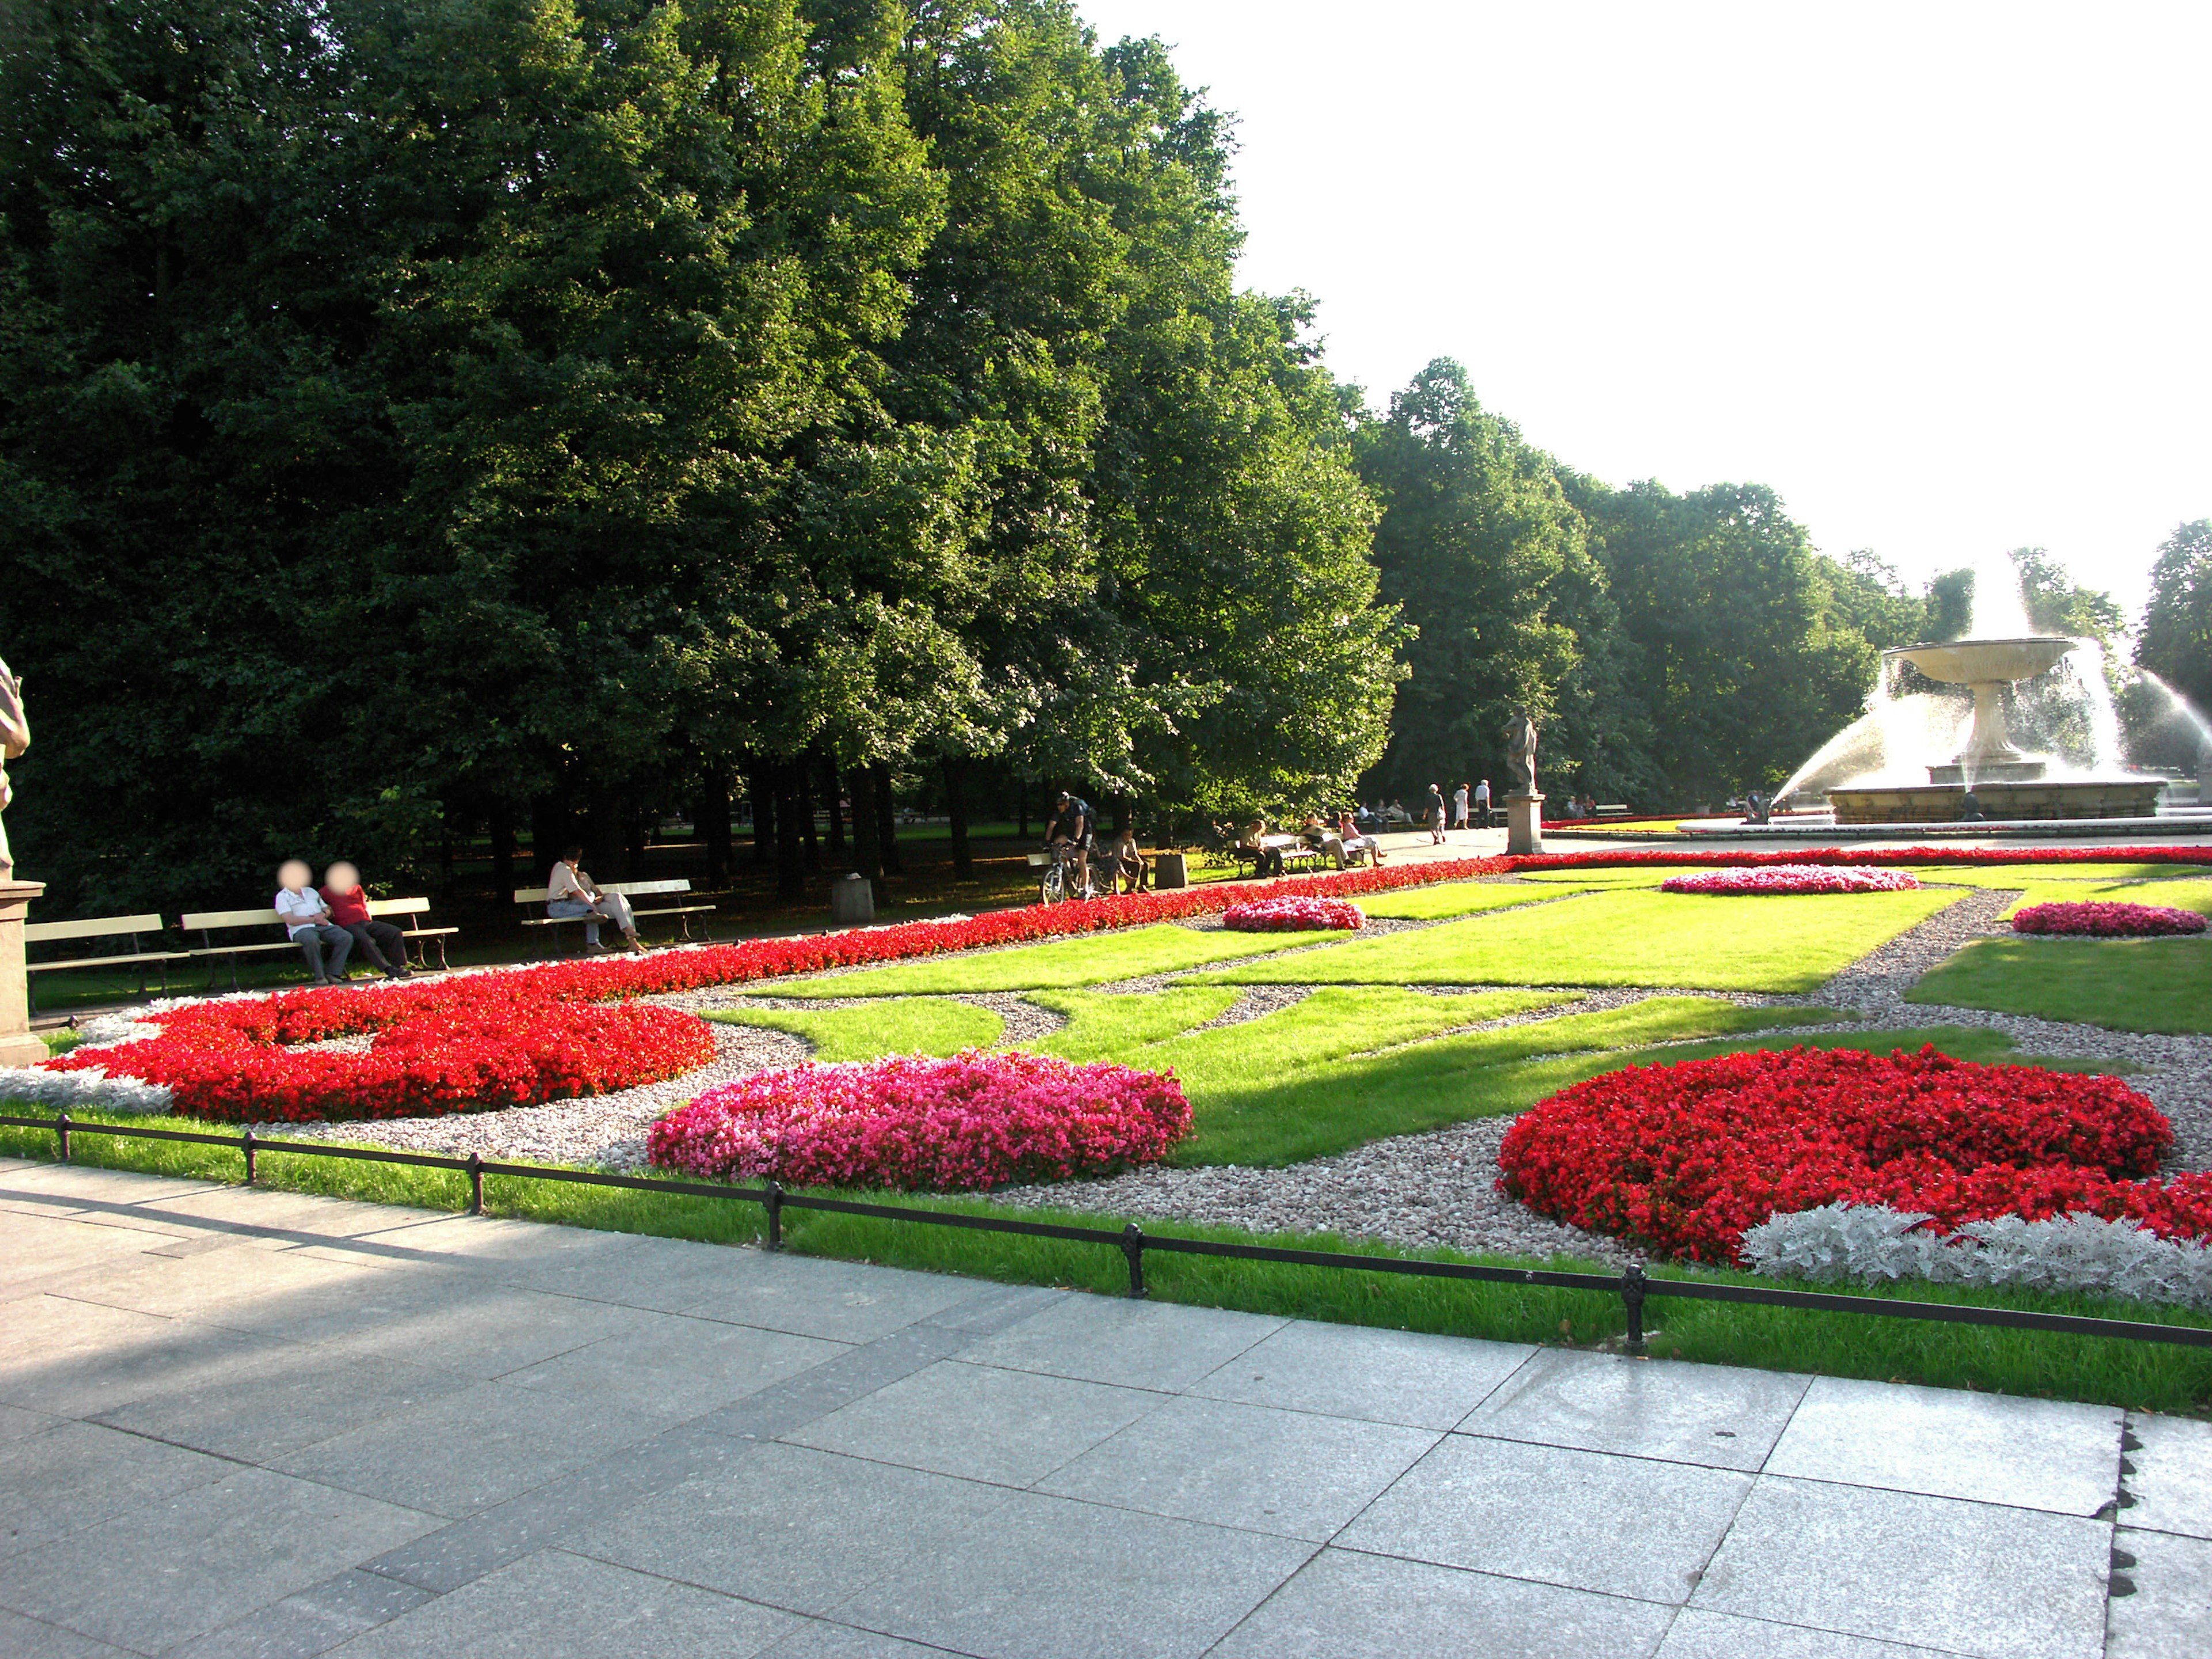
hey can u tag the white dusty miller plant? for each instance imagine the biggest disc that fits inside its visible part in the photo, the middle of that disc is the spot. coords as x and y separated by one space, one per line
2068 1253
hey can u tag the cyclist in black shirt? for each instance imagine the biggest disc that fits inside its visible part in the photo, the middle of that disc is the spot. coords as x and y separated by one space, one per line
1073 823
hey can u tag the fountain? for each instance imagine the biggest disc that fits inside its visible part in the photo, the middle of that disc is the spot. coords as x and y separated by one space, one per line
1868 781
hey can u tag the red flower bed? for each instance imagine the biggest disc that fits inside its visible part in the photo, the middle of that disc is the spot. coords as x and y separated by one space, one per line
1292 916
2101 921
1682 1159
1795 878
977 1121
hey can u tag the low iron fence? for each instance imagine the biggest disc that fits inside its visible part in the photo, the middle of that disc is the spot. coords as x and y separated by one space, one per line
1632 1284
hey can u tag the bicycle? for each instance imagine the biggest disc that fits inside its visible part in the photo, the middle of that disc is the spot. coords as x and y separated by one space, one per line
1060 879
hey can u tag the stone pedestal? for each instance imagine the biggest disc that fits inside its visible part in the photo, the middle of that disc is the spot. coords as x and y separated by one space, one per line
1168 871
1524 824
17 1046
851 899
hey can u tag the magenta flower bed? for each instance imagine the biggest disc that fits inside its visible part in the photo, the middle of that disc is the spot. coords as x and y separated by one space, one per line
2103 920
1793 878
1291 915
977 1121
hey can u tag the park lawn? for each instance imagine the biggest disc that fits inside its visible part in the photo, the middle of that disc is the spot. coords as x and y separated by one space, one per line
1103 1027
2122 984
869 1031
1689 941
2038 875
1089 959
1633 875
1458 898
2180 895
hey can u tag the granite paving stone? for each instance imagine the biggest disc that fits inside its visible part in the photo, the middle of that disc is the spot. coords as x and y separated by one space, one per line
1138 1345
2171 1484
309 1621
15 1422
73 1474
794 1527
167 1572
979 1422
676 1365
1698 1635
1294 1473
2170 1615
77 1359
1580 1519
2038 1454
1721 1416
555 1603
1344 1605
1384 1376
1985 1579
479 1328
33 1638
819 1640
843 1301
1052 1579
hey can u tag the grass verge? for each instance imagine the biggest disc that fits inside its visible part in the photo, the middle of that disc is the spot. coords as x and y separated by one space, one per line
2122 984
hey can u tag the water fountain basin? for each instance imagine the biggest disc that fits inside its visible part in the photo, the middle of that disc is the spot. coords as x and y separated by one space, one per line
1986 662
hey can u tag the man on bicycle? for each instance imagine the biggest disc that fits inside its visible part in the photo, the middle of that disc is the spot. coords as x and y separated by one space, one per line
1071 825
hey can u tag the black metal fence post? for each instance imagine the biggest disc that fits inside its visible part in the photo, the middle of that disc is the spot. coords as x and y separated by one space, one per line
61 1134
1631 1297
245 1144
1133 1246
774 1204
476 1184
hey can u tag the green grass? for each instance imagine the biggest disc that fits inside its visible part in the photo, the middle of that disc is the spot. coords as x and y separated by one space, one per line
897 1025
1639 875
1093 959
2140 1375
2123 984
1102 1027
2181 895
2036 875
1687 941
1456 898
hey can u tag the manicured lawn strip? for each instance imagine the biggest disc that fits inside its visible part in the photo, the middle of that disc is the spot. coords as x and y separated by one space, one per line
2180 895
900 1025
1089 959
1464 898
1690 941
1264 1118
2122 984
2140 1375
1103 1027
2034 875
1638 876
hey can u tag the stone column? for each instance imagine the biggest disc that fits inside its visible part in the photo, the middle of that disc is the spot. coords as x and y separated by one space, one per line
1524 824
17 1046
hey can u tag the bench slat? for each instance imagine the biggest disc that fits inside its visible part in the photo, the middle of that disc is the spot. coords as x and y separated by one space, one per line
198 920
42 933
153 956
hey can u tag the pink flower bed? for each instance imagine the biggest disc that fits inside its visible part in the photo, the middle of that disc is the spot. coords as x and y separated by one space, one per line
1793 878
977 1121
1291 915
2103 920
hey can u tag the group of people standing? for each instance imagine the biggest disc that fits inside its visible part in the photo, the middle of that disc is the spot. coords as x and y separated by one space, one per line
1469 807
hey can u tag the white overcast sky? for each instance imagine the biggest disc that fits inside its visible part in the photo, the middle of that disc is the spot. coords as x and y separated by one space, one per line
1940 274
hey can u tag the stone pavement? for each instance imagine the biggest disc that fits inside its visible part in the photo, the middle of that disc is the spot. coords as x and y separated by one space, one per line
242 1423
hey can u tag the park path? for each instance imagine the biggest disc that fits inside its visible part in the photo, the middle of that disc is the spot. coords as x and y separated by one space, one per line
241 1422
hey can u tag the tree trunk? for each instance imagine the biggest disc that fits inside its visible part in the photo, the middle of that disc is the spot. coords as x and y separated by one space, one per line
605 851
790 879
956 814
637 830
886 828
867 844
713 816
759 796
830 789
803 801
1022 805
503 882
551 831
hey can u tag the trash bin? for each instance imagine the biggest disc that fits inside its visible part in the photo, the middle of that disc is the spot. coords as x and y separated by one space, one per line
1167 870
851 899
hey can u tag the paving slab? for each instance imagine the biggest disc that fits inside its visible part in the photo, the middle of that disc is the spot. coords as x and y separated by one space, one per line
1384 1376
2172 1482
1698 1635
1343 1605
77 1358
553 1603
1053 1579
2170 1613
32 1638
843 1301
1986 1579
793 1528
15 1422
1721 1416
1993 1448
1137 1345
821 1640
267 1210
172 1569
1297 1474
477 1326
979 1422
74 1475
1583 1520
309 1621
676 1365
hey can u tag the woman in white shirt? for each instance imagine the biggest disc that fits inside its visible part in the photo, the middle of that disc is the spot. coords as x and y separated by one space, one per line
570 893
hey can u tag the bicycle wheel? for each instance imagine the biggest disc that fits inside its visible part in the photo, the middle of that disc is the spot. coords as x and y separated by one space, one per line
1053 888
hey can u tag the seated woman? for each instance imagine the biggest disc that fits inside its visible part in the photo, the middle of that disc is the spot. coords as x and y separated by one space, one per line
1319 832
1267 861
1129 864
569 893
1354 843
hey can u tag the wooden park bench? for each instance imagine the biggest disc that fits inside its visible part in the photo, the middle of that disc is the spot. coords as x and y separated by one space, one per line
129 927
226 952
1613 811
632 890
415 934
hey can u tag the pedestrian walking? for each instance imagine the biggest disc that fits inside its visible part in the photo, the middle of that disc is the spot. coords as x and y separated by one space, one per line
1482 803
1434 813
1459 807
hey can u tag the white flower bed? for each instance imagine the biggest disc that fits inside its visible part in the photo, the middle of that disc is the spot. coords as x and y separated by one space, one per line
2083 1253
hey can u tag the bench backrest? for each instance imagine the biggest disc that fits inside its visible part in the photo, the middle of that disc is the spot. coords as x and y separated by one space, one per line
630 888
400 906
199 920
40 932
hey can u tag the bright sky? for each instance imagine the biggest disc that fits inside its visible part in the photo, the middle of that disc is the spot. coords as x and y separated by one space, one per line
1938 273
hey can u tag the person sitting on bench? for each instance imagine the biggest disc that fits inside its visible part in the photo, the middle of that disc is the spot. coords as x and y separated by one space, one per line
570 895
307 923
1347 832
385 945
1266 860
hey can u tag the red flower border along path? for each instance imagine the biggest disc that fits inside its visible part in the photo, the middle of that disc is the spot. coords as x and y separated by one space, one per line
524 1036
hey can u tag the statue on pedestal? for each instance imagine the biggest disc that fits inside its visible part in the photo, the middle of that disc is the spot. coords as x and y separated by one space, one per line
1521 754
15 739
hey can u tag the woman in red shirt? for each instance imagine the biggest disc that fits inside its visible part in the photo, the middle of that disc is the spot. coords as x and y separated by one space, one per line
385 945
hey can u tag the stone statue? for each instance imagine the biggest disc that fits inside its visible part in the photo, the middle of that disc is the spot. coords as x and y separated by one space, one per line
15 739
1521 754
